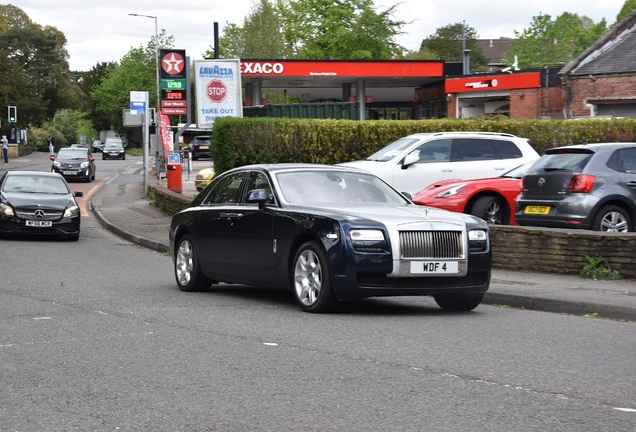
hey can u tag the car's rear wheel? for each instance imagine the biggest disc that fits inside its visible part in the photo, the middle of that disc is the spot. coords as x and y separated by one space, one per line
612 219
490 209
458 302
186 267
311 279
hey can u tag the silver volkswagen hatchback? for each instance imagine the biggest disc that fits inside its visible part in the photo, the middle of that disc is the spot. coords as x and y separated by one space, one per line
589 186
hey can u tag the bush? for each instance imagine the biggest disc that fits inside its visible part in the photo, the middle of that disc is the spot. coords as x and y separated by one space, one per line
242 141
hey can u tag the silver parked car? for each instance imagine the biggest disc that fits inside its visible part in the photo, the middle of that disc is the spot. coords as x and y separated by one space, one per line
591 186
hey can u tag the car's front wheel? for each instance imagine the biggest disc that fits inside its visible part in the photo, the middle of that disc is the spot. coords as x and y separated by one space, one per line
612 219
458 302
490 209
311 279
186 267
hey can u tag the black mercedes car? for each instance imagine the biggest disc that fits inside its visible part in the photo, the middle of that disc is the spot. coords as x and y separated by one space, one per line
328 233
74 163
35 202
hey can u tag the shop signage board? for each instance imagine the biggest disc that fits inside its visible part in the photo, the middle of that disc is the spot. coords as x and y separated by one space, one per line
218 90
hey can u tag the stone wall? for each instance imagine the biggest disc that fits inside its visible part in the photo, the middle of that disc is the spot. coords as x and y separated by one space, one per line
518 248
561 250
169 201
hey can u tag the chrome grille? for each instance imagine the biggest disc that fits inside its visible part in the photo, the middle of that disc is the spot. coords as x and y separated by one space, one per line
431 244
49 215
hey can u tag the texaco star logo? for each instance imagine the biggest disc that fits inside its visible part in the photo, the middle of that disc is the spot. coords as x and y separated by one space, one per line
172 63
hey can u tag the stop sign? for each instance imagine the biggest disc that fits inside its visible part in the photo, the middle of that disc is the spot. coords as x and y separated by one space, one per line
216 90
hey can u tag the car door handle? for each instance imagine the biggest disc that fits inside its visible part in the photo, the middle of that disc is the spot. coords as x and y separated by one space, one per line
231 215
631 184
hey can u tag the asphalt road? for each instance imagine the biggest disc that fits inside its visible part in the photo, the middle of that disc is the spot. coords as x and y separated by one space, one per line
95 336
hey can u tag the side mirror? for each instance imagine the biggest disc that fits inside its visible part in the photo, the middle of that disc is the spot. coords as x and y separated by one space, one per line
410 159
257 196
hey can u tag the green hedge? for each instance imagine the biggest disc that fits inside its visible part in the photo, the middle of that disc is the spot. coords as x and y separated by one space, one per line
243 141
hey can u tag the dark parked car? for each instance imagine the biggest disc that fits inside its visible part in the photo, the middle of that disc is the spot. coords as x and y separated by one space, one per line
113 149
200 147
34 202
98 146
74 163
328 233
591 186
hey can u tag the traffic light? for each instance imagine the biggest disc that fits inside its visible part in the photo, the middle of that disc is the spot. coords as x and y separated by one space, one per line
152 126
13 114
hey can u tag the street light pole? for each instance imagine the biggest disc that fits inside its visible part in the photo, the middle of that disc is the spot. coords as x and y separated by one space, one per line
157 103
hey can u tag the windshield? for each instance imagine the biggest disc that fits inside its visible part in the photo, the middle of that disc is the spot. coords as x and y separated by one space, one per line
312 187
71 154
519 171
35 184
113 146
574 162
392 150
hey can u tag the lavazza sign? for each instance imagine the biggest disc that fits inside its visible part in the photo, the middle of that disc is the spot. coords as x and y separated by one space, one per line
218 90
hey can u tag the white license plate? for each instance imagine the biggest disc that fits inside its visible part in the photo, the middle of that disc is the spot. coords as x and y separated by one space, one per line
38 223
69 173
437 267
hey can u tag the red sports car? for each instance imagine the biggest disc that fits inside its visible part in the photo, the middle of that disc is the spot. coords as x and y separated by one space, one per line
492 199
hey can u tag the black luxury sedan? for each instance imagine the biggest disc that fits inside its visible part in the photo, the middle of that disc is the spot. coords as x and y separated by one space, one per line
35 202
76 163
329 233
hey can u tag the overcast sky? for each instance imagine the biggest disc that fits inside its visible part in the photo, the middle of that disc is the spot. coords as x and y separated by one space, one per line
101 30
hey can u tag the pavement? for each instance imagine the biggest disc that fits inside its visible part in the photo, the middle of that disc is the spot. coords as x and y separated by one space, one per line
123 208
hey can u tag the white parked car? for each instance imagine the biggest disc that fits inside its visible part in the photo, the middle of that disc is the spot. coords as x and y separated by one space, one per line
415 161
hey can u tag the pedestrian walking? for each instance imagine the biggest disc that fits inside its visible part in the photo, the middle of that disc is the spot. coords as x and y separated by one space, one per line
51 146
5 149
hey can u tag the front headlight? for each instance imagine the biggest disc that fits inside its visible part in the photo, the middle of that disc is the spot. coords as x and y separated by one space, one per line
478 240
6 209
453 191
368 240
84 165
71 212
56 164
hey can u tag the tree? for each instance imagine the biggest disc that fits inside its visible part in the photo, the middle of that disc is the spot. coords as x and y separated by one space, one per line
135 72
259 37
87 82
552 43
448 44
628 7
37 57
327 29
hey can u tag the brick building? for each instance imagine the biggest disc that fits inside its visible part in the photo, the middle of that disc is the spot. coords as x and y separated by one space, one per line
602 80
518 94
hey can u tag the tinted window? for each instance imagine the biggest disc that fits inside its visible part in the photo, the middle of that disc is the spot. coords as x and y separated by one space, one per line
435 151
507 149
72 154
628 163
226 190
258 180
468 149
562 162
